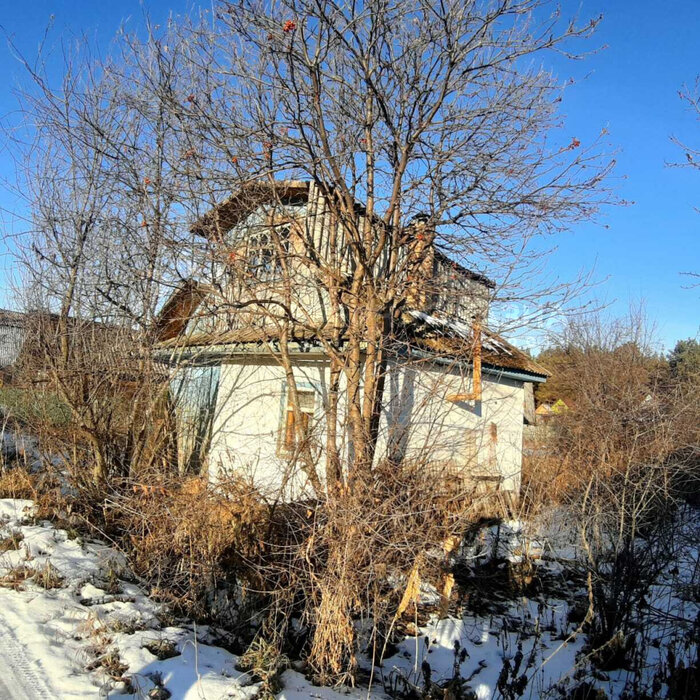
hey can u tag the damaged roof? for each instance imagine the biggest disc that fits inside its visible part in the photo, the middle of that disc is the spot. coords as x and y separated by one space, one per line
436 336
448 338
224 216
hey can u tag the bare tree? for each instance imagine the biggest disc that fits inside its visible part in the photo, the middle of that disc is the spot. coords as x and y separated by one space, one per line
624 468
691 98
413 110
415 124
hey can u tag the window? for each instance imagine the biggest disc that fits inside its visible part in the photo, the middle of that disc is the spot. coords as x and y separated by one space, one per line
307 402
265 250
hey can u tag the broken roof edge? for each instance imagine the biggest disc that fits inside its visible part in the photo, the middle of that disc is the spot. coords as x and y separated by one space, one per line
452 345
202 351
496 351
179 308
252 193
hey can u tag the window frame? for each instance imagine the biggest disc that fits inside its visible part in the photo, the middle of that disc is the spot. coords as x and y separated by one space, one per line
286 447
262 257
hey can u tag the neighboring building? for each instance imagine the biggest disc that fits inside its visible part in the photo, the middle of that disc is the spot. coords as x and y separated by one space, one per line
454 391
560 406
33 333
543 411
12 334
546 410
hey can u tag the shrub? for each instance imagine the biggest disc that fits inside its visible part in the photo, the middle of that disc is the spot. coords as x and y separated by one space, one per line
225 555
186 540
622 459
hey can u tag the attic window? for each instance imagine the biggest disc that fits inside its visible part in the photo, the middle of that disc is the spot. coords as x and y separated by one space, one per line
290 434
265 252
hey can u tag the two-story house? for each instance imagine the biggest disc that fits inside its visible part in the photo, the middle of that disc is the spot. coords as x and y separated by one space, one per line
453 392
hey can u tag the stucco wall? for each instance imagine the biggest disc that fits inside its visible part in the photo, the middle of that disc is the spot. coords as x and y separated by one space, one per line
422 424
247 423
418 422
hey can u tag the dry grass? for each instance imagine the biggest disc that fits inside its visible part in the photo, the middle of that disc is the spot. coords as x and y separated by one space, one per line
48 577
16 576
104 657
110 663
324 563
184 539
162 649
263 660
547 479
11 541
17 483
332 562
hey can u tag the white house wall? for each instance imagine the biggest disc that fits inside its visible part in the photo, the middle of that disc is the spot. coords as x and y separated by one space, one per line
418 422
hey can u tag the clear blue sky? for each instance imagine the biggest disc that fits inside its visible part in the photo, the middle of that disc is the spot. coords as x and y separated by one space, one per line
630 88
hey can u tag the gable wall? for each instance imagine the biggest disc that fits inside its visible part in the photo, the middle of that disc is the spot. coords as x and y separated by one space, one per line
318 227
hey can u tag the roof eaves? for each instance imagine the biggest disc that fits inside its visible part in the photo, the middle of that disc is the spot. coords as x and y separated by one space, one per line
225 215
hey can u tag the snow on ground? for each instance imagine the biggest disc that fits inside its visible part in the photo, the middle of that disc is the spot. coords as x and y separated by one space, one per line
479 645
70 639
71 621
15 444
535 637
